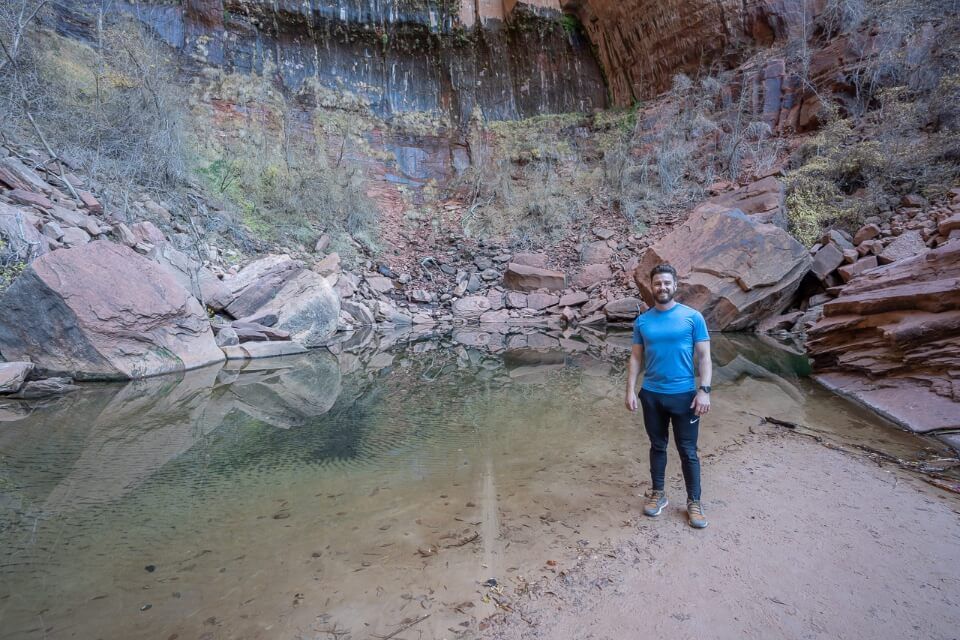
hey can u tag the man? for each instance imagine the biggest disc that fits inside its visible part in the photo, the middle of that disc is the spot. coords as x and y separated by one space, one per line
668 338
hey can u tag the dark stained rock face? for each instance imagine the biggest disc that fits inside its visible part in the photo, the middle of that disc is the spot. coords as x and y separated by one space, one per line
402 56
732 269
892 339
102 311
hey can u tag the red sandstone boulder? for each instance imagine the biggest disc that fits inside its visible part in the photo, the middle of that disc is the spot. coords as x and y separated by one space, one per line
763 201
892 339
520 277
101 311
734 270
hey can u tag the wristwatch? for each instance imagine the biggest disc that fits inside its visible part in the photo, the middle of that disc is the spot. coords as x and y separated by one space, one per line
705 388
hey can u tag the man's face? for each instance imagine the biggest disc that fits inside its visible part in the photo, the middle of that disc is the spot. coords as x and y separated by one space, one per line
664 288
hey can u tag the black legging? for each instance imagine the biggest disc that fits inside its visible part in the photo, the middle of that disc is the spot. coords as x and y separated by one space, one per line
659 409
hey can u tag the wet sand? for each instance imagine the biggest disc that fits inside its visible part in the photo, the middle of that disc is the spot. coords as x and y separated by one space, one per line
803 542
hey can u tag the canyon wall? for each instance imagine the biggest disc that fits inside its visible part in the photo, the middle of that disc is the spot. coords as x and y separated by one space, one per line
511 59
642 44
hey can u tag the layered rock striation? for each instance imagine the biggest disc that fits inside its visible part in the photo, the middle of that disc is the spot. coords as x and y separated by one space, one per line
892 339
641 44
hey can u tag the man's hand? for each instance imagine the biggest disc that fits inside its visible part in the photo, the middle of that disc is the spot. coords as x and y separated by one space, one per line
701 403
631 401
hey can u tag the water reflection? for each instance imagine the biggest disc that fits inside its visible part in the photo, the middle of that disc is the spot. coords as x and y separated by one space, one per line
385 469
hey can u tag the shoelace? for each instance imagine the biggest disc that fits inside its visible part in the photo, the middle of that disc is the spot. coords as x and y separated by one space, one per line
695 508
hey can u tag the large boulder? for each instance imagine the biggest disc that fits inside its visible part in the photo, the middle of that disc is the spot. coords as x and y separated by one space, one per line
735 270
306 306
101 311
256 284
891 339
304 302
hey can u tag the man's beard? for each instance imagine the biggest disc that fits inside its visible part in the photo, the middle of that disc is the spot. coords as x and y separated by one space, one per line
663 297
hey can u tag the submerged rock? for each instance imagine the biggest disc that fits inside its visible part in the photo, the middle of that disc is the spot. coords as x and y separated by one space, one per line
101 311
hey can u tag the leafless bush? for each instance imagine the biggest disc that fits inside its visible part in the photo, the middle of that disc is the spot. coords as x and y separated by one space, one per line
112 109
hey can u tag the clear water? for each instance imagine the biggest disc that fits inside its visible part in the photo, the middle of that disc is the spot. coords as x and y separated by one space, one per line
347 494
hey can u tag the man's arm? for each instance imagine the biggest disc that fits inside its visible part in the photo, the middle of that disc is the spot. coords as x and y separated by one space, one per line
701 351
633 370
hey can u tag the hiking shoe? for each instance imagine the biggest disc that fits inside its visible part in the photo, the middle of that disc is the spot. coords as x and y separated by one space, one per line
656 501
695 514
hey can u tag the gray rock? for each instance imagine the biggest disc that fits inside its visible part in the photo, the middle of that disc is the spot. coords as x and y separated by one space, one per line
420 295
906 245
52 230
74 237
591 275
595 252
473 283
13 375
540 301
358 312
380 284
826 261
471 307
227 337
574 299
515 300
306 306
192 276
322 243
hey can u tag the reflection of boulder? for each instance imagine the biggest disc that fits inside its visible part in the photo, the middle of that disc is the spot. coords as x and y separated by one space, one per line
288 392
741 367
776 359
146 424
532 357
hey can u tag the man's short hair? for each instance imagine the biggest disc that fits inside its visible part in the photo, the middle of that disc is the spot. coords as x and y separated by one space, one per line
663 268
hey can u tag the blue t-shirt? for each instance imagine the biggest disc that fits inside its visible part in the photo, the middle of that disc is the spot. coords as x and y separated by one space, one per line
667 338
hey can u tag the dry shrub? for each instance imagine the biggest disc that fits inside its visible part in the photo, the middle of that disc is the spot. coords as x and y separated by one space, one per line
111 109
294 194
666 160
